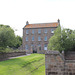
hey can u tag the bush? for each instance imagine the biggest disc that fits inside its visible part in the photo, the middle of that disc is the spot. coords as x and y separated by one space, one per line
8 50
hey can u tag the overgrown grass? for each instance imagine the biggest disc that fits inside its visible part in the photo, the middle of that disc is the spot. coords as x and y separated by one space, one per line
33 64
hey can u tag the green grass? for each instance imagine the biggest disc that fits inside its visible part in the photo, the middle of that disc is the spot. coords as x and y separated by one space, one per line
33 64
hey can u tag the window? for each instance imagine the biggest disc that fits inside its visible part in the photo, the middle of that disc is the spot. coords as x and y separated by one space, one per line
45 31
26 31
39 46
39 31
32 46
52 31
26 47
39 38
27 38
45 38
33 38
45 47
32 31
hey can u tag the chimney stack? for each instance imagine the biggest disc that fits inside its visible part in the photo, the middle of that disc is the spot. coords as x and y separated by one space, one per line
27 23
58 21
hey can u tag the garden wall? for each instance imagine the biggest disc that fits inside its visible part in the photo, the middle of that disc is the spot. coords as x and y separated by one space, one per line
56 64
5 56
41 51
70 55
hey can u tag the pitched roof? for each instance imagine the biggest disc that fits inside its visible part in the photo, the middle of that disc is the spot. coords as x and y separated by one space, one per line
42 25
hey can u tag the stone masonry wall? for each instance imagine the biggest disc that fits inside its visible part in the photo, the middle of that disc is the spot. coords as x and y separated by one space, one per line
56 64
70 55
69 67
5 56
35 43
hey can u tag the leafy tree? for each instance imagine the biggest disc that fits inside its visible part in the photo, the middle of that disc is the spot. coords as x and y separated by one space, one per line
63 39
7 36
18 41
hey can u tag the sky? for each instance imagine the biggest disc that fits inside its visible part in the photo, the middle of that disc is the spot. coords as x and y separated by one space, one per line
15 13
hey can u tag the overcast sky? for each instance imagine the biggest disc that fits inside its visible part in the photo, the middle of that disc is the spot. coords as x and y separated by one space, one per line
16 12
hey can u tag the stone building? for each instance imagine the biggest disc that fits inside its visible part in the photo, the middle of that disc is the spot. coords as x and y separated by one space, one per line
36 36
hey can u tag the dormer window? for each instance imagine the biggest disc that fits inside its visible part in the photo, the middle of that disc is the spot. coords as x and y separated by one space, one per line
39 31
52 30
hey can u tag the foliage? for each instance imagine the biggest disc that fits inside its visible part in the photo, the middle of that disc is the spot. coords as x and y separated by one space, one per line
8 50
7 36
33 64
63 39
18 41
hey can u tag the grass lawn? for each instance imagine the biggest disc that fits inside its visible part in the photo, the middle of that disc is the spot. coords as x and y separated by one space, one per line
33 64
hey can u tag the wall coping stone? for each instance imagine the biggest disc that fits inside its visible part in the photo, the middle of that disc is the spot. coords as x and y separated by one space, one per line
70 61
51 52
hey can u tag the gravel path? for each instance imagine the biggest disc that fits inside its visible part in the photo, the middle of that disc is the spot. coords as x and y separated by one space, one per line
18 56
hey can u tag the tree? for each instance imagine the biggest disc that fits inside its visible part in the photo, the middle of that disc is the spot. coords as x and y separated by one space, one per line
7 36
63 39
18 41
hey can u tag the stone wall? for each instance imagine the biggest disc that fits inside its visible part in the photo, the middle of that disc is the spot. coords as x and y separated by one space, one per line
70 55
41 51
20 48
69 67
5 56
56 64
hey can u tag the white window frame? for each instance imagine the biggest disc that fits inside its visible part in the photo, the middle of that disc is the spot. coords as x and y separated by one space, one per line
39 31
45 47
39 38
26 47
27 38
52 30
45 38
27 32
33 31
32 38
45 31
39 46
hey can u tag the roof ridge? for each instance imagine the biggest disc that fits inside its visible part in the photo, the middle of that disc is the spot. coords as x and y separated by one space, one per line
45 23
